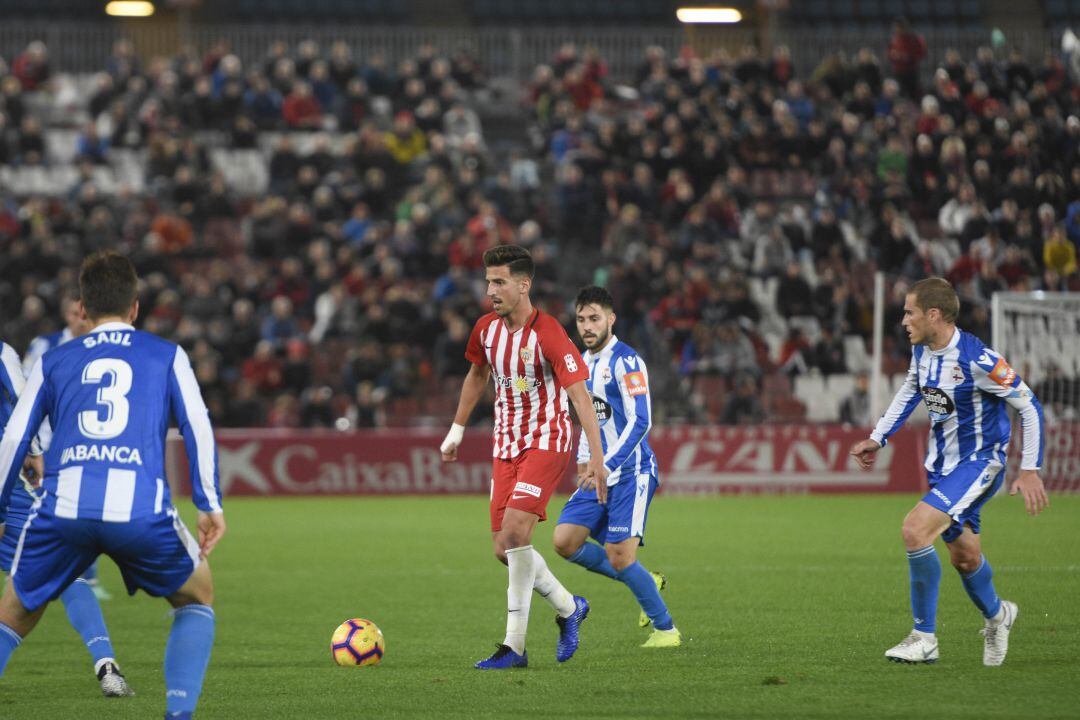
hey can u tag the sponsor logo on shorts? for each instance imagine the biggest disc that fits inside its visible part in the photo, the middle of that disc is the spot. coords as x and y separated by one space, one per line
941 495
527 489
618 528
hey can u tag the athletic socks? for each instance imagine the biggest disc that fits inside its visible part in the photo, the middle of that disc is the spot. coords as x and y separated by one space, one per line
980 588
549 588
187 654
521 565
84 613
593 557
9 640
641 583
925 579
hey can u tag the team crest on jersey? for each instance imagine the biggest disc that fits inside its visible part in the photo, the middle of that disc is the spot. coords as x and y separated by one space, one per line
957 374
1002 374
526 355
635 383
605 375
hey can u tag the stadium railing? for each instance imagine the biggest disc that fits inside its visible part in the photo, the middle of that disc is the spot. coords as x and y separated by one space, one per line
508 53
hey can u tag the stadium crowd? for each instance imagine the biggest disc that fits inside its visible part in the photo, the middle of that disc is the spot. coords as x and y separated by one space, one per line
736 209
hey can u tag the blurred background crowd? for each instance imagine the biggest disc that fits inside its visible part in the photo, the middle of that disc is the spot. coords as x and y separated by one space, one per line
309 224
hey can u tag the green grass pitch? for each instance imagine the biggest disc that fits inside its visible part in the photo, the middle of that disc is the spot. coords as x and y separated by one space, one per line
786 605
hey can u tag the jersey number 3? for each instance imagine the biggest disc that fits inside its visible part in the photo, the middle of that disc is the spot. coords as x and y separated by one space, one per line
113 397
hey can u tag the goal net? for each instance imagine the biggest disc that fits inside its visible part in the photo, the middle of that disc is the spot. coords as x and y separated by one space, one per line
1039 335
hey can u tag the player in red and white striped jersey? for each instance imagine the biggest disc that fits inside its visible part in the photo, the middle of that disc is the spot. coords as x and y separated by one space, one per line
536 368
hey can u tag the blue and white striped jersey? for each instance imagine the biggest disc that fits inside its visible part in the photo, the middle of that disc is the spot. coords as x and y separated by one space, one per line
11 382
619 385
965 387
41 345
109 395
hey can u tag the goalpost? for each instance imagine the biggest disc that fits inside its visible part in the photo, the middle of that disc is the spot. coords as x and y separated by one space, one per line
1039 334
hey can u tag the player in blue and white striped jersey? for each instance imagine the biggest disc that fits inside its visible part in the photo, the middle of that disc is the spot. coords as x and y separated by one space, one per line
73 328
614 513
966 387
109 396
80 601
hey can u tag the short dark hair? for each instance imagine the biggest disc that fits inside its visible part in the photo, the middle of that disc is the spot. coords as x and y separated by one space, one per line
108 284
594 295
517 258
937 293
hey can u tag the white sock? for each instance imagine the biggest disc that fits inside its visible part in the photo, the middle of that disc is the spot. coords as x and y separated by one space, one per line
549 588
98 665
521 564
1000 617
928 636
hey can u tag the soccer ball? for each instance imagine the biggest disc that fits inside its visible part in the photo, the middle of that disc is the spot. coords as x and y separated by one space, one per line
357 642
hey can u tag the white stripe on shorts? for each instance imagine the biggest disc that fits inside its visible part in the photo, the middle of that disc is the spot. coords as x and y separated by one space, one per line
985 479
641 503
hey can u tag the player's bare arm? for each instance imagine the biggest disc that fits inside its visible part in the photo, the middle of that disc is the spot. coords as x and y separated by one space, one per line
595 473
472 389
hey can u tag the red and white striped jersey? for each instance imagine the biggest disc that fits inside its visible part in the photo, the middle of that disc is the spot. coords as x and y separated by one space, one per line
531 368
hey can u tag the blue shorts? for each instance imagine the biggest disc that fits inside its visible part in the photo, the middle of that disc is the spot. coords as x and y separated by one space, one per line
19 508
622 517
155 554
962 493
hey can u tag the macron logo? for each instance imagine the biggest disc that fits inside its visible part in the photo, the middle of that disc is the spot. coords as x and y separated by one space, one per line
986 360
941 495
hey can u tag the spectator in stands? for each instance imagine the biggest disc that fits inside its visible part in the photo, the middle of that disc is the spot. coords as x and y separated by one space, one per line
793 295
31 67
855 408
405 142
301 109
906 50
1059 254
743 407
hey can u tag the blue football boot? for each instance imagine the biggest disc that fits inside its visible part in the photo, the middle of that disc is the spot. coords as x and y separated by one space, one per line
568 629
504 659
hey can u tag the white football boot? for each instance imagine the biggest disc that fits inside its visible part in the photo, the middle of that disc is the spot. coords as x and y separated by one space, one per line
996 635
112 682
917 647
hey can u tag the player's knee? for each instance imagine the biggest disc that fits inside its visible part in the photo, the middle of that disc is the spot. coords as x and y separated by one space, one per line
565 545
500 553
620 558
913 533
966 563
